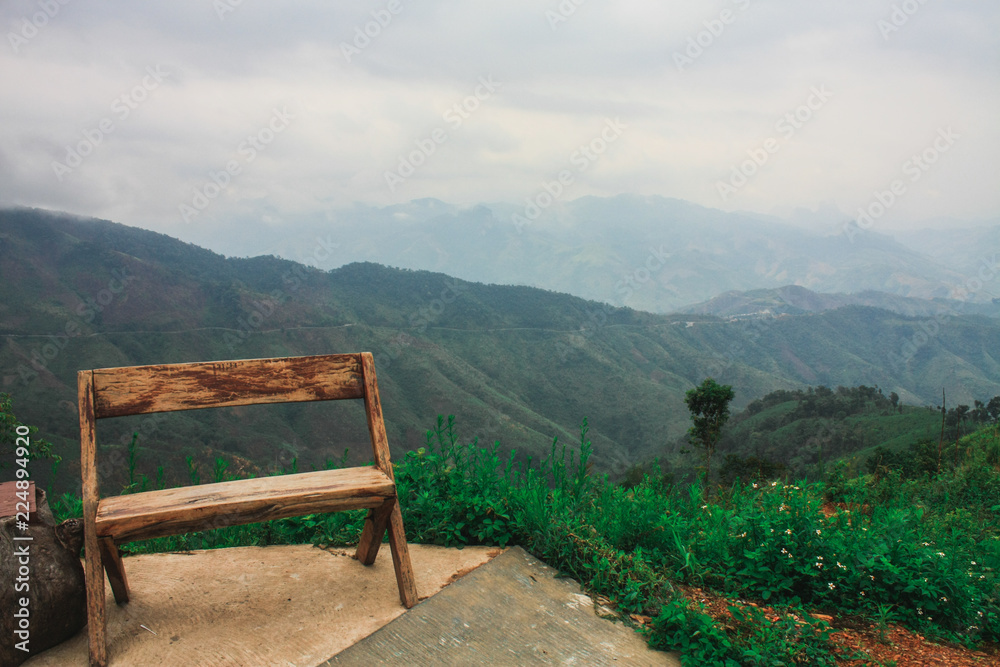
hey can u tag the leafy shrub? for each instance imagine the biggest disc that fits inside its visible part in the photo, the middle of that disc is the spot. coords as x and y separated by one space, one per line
9 425
694 634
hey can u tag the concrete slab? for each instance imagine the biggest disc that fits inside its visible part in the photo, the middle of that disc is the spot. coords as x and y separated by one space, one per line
512 611
248 606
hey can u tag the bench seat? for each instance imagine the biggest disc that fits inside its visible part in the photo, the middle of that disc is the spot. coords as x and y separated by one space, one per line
192 508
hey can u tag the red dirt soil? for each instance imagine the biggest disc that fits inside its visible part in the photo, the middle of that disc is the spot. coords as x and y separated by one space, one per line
854 636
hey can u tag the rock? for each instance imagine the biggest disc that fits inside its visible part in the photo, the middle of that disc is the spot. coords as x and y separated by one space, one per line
70 534
53 587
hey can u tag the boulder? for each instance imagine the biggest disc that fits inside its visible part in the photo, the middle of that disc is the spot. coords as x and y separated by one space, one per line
45 572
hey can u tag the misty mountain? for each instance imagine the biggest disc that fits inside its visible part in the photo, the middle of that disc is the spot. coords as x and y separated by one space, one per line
972 251
647 253
516 364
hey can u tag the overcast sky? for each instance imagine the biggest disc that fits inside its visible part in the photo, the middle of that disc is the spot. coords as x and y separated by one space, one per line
127 110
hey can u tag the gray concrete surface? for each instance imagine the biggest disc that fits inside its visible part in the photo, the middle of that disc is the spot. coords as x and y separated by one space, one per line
511 611
292 606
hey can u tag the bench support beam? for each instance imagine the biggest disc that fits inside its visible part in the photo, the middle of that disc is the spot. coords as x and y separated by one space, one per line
112 559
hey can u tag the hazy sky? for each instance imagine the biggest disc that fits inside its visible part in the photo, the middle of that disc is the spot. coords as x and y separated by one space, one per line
128 110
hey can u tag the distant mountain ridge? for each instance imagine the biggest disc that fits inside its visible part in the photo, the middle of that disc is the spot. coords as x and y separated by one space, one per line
515 364
797 300
648 253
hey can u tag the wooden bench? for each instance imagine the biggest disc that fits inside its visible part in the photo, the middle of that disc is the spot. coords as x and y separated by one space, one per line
108 522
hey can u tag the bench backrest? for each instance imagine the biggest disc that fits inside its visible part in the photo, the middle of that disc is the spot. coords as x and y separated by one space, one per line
134 390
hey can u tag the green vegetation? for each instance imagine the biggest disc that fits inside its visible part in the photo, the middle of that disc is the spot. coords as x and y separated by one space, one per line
19 444
798 434
749 639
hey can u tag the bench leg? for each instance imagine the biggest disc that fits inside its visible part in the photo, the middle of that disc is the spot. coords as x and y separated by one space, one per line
401 559
97 629
374 531
379 519
112 559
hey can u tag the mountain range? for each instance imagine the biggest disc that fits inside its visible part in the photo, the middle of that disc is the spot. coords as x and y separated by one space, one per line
649 253
517 364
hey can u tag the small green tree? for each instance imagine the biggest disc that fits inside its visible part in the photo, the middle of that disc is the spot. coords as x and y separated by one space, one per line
993 407
709 406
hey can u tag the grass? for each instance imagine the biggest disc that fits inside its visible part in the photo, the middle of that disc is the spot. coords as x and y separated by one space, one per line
924 552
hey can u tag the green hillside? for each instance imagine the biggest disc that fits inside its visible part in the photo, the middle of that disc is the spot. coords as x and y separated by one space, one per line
801 433
796 300
517 364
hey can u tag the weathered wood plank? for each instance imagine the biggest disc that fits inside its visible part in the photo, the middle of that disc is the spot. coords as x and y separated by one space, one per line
380 448
373 532
164 388
11 496
373 412
405 580
190 508
93 567
115 568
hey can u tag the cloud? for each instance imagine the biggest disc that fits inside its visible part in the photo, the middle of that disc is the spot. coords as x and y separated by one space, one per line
367 82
